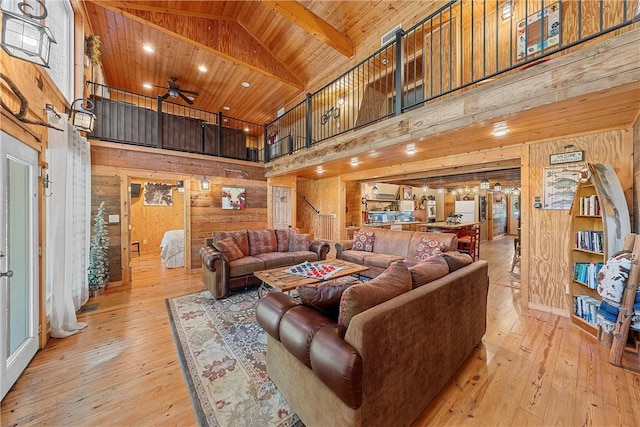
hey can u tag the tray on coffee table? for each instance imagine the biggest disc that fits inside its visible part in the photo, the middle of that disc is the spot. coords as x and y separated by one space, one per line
278 279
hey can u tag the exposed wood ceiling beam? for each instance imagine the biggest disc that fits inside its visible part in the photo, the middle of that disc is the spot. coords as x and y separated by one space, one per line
149 8
216 40
313 24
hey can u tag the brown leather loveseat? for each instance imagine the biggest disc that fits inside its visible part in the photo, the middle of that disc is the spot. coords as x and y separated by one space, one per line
380 366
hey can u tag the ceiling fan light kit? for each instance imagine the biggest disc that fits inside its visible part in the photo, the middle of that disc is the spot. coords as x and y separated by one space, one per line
175 91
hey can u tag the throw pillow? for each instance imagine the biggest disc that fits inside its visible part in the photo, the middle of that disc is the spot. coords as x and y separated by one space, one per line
363 241
427 247
428 271
613 276
298 242
394 281
326 296
229 248
282 237
240 237
262 242
456 260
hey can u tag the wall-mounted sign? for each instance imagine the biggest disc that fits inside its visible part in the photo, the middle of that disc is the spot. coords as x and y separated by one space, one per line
573 156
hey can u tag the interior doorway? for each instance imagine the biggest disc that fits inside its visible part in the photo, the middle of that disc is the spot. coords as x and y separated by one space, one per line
157 225
281 207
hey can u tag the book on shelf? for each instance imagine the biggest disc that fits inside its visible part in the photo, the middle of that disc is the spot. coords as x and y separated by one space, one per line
590 206
586 307
587 273
590 240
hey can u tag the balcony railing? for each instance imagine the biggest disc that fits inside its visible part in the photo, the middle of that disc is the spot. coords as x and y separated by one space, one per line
130 118
463 43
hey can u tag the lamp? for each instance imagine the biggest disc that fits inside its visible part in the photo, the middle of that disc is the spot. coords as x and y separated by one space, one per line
484 184
374 190
204 183
497 186
24 37
507 190
81 117
516 191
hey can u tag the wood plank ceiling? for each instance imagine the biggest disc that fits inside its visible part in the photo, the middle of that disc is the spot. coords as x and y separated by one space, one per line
282 49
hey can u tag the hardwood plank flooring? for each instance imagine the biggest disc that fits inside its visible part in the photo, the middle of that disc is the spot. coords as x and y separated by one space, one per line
532 368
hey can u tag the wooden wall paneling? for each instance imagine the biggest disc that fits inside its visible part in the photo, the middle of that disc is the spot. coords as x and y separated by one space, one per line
635 223
149 223
125 229
441 58
354 206
526 206
549 262
107 188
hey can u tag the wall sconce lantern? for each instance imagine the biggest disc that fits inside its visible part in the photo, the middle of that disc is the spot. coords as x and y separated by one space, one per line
506 10
81 117
24 37
484 184
204 183
497 186
374 190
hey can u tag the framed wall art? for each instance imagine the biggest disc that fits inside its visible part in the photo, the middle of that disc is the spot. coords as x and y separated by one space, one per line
559 186
539 31
158 194
233 198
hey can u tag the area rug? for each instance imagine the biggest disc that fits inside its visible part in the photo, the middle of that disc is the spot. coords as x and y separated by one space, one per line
223 355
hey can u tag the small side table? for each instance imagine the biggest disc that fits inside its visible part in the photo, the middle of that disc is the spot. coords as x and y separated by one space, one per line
137 246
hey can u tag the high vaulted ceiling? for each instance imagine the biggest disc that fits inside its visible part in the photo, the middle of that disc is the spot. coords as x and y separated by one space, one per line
283 49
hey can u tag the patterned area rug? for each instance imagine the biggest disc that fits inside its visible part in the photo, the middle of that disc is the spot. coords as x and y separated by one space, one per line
223 355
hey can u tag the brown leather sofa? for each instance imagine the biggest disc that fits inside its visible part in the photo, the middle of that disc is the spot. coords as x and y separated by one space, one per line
390 246
261 250
388 363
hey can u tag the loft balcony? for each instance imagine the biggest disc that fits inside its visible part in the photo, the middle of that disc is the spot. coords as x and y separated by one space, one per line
462 45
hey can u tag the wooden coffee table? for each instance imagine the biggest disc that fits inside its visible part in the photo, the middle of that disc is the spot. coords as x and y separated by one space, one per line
277 280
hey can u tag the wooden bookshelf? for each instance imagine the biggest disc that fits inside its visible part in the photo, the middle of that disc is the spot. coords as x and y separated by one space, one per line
599 224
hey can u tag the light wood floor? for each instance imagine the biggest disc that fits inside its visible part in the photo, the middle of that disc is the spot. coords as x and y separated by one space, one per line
533 368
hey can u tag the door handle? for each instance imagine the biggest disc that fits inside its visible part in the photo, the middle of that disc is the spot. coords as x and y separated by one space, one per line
8 274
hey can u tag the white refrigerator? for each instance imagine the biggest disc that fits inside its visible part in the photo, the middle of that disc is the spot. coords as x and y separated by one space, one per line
466 208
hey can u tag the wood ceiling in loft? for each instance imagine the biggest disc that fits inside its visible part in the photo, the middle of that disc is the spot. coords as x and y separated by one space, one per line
283 49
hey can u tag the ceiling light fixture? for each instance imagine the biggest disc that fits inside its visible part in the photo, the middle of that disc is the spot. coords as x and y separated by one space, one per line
204 183
354 161
245 84
81 117
506 9
500 129
497 186
246 128
202 69
507 190
226 108
516 191
148 48
375 190
319 169
411 149
24 37
147 85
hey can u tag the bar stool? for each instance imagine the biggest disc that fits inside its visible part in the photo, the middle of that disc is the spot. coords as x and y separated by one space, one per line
470 243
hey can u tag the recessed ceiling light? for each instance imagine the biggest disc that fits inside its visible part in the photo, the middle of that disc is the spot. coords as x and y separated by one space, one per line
354 161
226 108
245 84
411 149
148 48
147 85
202 69
500 129
319 169
246 129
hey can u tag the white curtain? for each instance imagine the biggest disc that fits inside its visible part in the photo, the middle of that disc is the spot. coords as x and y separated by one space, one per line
68 226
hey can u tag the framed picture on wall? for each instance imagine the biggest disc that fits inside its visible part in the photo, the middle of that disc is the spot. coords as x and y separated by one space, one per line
406 193
158 194
233 198
559 186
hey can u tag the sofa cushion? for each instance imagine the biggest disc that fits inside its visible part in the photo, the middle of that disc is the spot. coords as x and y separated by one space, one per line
282 238
394 281
245 265
276 259
262 241
380 260
429 270
241 237
363 241
302 256
427 247
326 296
229 248
456 260
297 329
298 242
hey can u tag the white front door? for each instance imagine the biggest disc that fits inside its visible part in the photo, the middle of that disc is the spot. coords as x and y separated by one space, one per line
18 259
281 207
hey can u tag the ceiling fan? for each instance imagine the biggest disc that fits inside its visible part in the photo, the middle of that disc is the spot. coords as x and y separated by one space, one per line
174 91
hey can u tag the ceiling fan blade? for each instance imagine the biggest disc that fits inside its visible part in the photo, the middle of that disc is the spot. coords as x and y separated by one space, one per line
192 92
161 87
185 98
165 96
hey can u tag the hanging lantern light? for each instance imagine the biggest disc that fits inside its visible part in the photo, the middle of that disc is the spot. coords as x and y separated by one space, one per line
24 37
374 190
484 184
81 117
497 186
204 183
